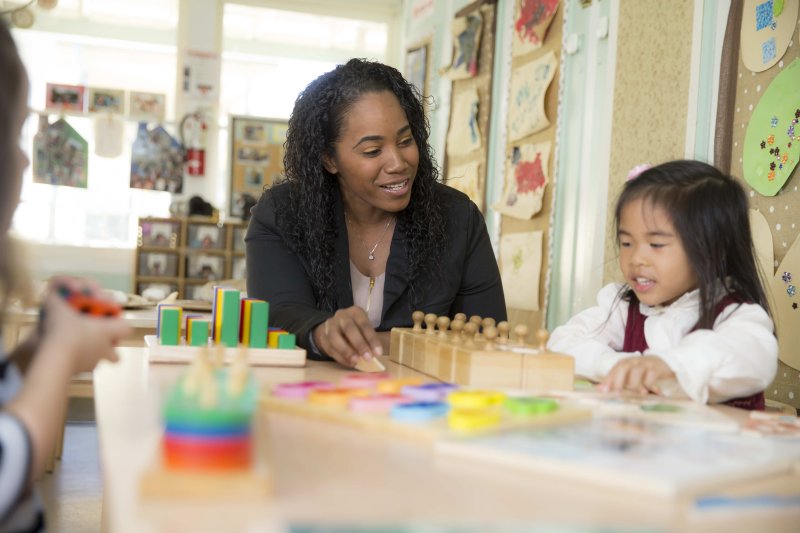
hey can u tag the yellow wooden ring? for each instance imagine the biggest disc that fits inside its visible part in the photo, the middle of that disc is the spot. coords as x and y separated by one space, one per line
475 399
472 419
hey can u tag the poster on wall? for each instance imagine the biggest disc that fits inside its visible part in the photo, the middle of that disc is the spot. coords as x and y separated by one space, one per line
466 178
416 67
156 161
256 158
531 20
60 155
521 261
772 142
529 83
466 45
201 72
767 29
525 180
464 135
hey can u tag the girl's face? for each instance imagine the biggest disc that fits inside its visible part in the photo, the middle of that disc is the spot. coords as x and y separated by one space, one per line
19 162
376 156
652 257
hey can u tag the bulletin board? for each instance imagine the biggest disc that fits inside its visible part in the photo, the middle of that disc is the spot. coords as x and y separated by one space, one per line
742 89
534 231
465 158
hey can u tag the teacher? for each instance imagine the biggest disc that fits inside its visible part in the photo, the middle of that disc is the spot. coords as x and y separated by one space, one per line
361 233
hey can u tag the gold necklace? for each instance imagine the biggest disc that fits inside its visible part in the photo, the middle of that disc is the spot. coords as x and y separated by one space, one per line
370 251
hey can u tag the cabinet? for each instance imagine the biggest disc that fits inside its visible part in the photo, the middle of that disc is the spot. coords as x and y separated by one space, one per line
183 254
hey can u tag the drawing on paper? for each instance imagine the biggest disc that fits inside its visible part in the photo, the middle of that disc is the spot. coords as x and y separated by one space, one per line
531 20
525 180
466 45
466 178
464 135
529 84
521 261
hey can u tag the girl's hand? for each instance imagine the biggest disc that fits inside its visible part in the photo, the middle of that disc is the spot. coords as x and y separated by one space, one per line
84 339
638 374
348 336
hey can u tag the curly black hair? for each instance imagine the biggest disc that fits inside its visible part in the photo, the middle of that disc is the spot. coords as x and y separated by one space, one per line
314 128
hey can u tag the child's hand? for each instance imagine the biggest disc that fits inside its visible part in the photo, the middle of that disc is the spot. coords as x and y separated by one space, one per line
638 374
84 339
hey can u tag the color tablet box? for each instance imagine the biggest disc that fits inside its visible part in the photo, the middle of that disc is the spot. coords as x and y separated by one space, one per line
168 324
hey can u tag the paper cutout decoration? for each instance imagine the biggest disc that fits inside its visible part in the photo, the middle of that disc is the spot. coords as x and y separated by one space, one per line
464 136
106 100
529 84
64 97
783 300
60 155
526 177
466 45
109 131
521 260
531 20
466 178
767 28
156 161
146 106
772 142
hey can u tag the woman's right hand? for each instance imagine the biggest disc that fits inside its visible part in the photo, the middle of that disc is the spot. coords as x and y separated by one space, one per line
348 336
84 339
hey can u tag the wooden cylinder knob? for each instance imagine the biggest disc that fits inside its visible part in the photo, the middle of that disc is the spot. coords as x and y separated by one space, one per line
430 323
487 322
520 333
470 328
416 318
443 323
502 332
541 338
456 326
475 319
490 334
460 316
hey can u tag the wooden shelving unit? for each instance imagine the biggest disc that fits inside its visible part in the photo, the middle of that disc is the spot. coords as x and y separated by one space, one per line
186 253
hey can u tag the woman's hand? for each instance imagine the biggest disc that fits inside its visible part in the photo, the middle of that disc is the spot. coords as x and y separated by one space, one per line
638 374
347 336
84 339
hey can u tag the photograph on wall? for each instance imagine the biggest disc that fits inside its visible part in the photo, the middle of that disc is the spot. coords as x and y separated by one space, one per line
60 156
256 159
531 20
767 29
205 236
146 106
466 46
416 68
521 265
205 267
772 142
159 234
158 264
106 100
529 83
156 161
466 178
525 180
464 136
64 97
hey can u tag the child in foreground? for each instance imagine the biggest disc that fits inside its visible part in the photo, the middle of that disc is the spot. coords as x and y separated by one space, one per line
66 343
692 307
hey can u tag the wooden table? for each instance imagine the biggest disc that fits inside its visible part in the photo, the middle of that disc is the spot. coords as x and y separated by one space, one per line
326 474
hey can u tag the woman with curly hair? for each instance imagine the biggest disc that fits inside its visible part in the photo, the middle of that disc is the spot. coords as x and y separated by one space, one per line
361 233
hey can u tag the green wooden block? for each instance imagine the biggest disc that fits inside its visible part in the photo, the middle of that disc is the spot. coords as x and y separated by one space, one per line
199 333
230 319
170 330
287 341
259 322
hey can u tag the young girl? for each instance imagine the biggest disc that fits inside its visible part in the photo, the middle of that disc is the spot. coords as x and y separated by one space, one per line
692 307
30 418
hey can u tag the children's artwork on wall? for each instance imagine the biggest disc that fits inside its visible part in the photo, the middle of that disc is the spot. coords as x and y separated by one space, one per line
526 178
531 20
772 142
256 159
529 83
521 262
767 28
146 106
106 100
783 288
466 45
60 156
416 67
156 161
466 178
464 135
109 131
64 97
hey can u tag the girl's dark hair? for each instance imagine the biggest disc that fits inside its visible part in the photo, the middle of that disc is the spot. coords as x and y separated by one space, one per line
12 83
314 128
710 213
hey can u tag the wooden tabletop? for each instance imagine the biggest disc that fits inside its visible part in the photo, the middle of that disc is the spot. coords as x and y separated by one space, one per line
326 474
